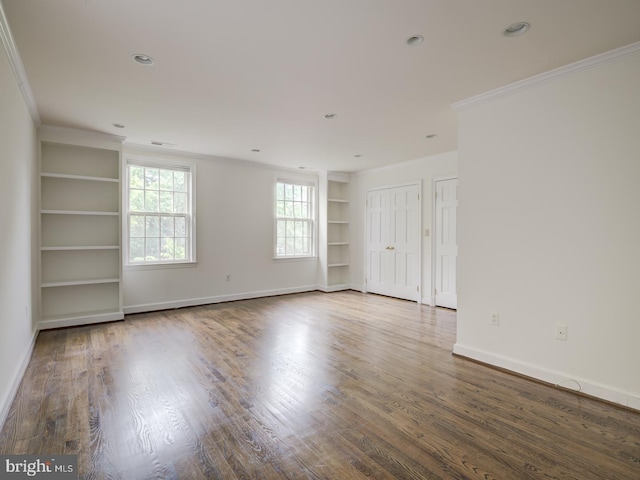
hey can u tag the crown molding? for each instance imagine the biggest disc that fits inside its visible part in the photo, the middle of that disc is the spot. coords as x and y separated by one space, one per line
18 68
344 177
130 148
546 77
76 136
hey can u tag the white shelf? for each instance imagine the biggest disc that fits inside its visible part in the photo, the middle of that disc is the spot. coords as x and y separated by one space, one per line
73 300
79 177
79 230
77 212
337 232
74 283
79 318
80 255
75 159
80 248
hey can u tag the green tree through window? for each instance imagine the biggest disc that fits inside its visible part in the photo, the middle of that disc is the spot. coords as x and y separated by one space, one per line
294 220
159 214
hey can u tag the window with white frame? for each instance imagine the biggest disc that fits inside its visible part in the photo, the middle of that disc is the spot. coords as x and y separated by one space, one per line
295 229
159 205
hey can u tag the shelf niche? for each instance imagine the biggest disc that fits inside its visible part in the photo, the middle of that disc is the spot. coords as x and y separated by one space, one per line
336 260
80 266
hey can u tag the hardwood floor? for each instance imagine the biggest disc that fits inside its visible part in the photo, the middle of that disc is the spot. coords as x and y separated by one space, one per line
307 386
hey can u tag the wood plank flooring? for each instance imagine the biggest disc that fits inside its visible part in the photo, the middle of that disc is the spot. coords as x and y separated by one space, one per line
307 386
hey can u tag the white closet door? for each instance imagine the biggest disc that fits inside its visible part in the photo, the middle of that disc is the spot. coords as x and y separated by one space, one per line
446 243
378 253
393 249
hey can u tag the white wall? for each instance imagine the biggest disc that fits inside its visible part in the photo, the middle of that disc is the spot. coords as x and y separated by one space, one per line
17 234
234 202
421 170
549 230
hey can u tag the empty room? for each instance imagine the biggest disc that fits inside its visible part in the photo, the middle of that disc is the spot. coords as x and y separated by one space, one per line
320 239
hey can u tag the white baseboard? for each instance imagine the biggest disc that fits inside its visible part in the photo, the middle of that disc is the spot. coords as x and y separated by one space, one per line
426 301
5 403
86 319
333 288
553 377
358 287
192 302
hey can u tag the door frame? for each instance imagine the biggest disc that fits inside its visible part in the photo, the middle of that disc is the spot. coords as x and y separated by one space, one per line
434 180
418 183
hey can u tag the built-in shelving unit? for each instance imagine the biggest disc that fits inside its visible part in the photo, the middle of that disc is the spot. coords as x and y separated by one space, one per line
80 259
337 232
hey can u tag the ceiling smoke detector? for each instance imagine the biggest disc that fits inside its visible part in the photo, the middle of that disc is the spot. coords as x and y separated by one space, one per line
516 29
142 59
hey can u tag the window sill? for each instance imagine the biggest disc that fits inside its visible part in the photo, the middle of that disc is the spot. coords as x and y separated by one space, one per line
296 259
159 266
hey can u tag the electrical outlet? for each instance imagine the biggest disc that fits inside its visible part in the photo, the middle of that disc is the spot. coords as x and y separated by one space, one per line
561 331
494 319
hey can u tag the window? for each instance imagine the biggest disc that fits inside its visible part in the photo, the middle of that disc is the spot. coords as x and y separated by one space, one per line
295 229
159 214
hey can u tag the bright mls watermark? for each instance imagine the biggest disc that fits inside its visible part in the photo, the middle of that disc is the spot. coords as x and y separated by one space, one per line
49 467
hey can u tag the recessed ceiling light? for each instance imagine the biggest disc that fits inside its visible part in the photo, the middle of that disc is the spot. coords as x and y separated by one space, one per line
118 125
143 59
256 150
516 29
330 116
414 40
431 135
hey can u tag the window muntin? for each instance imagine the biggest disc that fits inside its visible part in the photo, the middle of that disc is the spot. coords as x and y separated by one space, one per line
295 229
159 214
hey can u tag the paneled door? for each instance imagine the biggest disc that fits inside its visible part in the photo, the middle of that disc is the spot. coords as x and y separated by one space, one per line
393 242
446 244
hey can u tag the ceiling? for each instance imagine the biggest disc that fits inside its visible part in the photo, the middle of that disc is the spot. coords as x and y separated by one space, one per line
231 76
